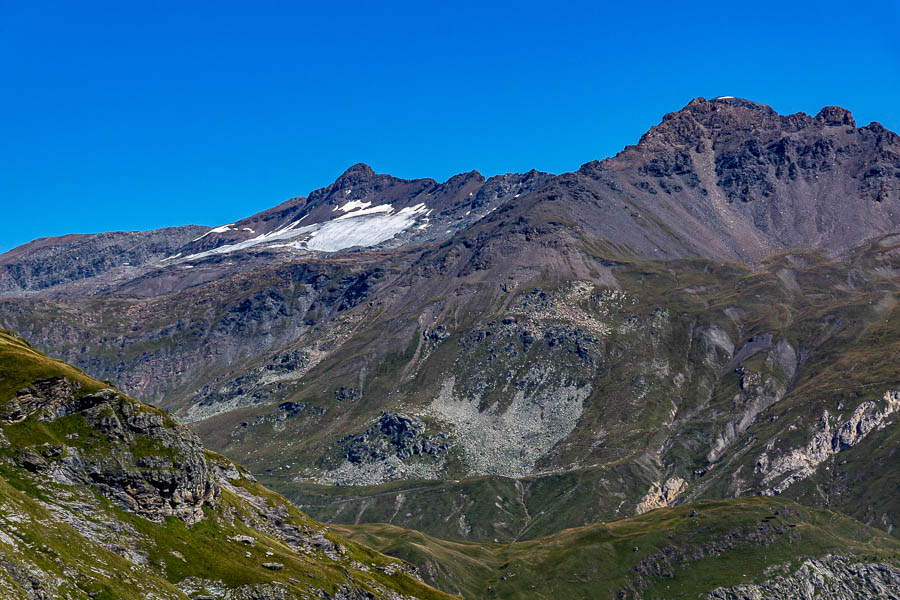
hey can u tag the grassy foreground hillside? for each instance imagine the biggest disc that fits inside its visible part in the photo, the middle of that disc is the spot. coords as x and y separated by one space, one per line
104 497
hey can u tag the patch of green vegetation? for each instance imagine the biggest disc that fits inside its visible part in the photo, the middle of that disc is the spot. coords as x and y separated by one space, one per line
21 365
394 361
144 446
72 430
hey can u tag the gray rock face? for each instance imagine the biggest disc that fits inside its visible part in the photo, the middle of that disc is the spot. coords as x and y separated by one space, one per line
827 439
52 398
136 456
831 578
394 434
730 171
48 263
395 446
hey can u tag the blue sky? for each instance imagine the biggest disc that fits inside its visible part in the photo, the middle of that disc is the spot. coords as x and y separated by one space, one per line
126 115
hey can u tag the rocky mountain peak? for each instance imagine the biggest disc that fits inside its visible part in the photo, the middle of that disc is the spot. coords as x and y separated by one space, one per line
702 118
358 172
462 179
835 115
734 174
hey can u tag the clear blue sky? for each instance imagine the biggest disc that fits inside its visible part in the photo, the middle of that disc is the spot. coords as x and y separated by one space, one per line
136 115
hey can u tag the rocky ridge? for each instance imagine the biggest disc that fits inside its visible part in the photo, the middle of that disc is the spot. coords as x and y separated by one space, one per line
825 442
85 261
832 577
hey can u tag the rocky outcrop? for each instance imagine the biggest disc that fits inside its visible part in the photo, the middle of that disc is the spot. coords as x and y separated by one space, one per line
394 434
660 496
395 446
829 578
132 454
51 399
828 439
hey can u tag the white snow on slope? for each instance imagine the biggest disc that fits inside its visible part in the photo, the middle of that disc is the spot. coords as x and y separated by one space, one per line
366 229
219 229
364 225
381 208
286 232
353 205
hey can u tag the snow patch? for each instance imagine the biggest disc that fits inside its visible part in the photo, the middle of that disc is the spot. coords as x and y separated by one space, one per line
362 225
286 232
386 208
353 205
219 229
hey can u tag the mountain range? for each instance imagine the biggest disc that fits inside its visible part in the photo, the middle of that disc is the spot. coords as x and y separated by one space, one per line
704 324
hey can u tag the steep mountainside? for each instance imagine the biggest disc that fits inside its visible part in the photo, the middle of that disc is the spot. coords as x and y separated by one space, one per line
102 496
580 403
711 313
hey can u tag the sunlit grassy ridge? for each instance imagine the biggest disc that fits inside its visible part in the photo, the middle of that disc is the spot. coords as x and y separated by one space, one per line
679 552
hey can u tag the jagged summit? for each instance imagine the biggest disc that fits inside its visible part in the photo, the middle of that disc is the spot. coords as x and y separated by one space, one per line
358 174
734 101
728 115
359 169
835 115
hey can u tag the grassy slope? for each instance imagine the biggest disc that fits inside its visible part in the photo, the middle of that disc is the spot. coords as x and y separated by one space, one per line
36 515
681 556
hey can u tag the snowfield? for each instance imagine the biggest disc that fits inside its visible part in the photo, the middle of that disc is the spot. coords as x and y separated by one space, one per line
367 227
361 225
